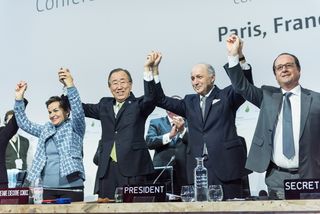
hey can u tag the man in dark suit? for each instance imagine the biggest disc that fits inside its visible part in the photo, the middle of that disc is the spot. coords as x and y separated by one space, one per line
124 158
167 137
270 150
17 150
212 131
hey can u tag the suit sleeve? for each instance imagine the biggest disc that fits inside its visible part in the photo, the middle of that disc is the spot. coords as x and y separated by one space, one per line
147 104
11 128
243 86
23 122
78 120
91 110
97 154
153 138
168 103
8 131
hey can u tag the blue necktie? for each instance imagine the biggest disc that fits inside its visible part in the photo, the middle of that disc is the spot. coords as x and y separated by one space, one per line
287 132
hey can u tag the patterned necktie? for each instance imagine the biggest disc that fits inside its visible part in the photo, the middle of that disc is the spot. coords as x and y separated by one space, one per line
117 108
203 105
287 132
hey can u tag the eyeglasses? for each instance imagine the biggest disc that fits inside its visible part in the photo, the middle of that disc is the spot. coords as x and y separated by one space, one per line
287 65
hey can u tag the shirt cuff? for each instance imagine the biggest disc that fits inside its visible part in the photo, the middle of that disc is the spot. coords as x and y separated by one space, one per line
156 79
233 60
147 76
245 66
166 139
183 133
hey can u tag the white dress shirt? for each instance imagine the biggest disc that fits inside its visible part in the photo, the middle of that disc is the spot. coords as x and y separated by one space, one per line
278 157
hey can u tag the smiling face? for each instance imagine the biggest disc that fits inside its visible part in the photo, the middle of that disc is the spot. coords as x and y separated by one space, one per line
57 114
202 81
120 85
287 72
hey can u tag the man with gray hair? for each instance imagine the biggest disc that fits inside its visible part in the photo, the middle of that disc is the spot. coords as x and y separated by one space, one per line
210 114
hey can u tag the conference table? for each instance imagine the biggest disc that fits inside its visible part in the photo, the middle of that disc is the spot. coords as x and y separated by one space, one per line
262 206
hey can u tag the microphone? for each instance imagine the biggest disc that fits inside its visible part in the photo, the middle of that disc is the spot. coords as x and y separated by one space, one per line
263 195
170 161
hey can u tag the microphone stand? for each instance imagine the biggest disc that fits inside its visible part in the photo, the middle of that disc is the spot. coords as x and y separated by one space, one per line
170 161
67 190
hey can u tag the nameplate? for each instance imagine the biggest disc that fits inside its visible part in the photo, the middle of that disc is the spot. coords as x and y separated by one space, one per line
14 196
144 193
302 189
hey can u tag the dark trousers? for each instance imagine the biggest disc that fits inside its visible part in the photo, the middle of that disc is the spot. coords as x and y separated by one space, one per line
274 181
113 179
75 193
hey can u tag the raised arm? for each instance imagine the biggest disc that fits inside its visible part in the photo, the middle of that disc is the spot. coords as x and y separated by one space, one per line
239 79
168 103
149 100
19 110
77 113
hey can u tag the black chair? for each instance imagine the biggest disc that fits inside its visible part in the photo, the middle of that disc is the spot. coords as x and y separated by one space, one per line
21 176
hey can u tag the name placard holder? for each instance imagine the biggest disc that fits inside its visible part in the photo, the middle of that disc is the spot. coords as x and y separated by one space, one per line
14 196
144 193
302 189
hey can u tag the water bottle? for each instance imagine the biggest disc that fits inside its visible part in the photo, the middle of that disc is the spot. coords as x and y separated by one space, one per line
200 181
37 191
12 177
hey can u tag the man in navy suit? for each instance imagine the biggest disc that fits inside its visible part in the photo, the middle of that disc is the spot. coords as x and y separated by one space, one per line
124 157
167 137
212 131
268 149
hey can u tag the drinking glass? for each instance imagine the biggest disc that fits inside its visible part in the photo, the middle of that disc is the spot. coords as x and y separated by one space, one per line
215 193
187 193
118 195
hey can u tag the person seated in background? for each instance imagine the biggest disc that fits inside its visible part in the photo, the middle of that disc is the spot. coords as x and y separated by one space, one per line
17 149
58 160
6 133
167 136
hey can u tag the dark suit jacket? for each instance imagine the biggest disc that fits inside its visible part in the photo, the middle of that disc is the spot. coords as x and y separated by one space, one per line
6 133
126 130
226 152
96 162
11 154
269 100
